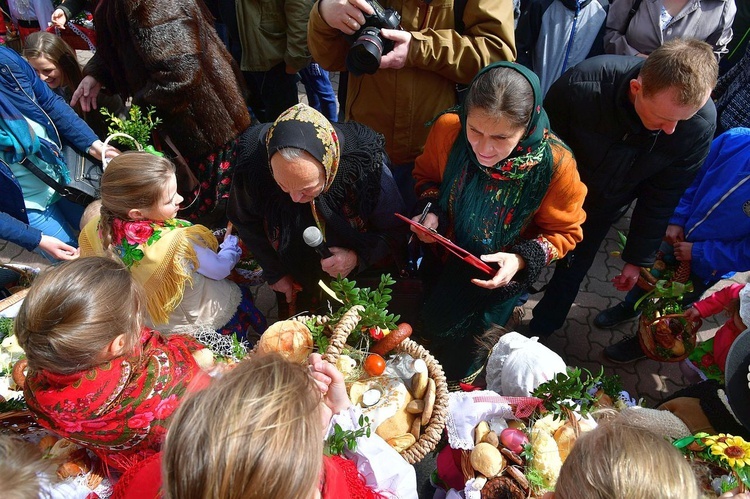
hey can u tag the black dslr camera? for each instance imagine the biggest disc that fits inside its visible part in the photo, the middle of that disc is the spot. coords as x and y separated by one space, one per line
368 46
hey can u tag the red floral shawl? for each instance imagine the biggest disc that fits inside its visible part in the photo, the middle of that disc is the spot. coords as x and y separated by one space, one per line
119 409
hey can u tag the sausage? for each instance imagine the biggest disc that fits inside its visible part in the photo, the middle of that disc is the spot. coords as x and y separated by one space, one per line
18 373
392 340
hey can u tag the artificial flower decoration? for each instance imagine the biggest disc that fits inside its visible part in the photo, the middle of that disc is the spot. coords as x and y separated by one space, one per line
734 450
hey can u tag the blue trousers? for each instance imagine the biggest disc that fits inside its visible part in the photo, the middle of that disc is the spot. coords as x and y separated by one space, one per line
60 220
320 94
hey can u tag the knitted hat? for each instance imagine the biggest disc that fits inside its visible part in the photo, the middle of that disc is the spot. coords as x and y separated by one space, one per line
517 365
737 373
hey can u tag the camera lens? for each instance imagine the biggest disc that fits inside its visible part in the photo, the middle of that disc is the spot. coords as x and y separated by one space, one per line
364 54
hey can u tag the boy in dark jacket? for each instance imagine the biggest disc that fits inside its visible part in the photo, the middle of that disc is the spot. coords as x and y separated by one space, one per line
639 131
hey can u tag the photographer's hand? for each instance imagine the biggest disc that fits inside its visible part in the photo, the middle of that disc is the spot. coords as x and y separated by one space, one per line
346 16
396 58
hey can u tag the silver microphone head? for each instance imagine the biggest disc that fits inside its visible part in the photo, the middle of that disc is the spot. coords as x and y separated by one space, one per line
312 237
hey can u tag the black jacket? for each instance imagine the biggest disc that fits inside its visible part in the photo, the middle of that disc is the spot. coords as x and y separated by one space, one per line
618 158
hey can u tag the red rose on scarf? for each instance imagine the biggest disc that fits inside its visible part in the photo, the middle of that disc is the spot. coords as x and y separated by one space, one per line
99 426
224 165
148 406
71 426
140 421
166 407
138 232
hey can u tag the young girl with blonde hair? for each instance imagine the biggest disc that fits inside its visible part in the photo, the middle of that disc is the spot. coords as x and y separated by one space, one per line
267 439
618 461
96 375
175 261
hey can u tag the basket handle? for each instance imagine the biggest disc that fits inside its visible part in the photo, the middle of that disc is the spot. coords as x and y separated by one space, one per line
105 160
341 332
698 321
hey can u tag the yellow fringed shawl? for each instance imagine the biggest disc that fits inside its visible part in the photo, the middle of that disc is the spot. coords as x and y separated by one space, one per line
167 265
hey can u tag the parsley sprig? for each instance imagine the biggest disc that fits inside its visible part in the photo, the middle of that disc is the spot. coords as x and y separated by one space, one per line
342 440
574 391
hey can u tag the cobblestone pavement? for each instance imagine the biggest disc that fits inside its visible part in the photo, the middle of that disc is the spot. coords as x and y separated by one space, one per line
578 342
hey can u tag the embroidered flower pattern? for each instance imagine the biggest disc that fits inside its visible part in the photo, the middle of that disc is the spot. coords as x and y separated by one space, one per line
128 237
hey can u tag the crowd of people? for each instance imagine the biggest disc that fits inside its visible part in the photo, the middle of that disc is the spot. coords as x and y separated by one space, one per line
521 131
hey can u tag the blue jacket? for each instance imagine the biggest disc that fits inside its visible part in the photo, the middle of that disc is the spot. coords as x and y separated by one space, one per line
719 226
21 87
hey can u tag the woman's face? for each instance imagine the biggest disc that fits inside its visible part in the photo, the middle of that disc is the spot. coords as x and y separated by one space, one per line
302 178
47 70
491 138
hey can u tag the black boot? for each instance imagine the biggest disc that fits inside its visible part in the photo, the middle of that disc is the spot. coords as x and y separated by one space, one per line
615 315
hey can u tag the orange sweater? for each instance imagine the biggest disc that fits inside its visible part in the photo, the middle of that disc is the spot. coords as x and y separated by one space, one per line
560 215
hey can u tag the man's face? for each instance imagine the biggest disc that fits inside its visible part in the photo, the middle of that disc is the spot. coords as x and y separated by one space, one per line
661 111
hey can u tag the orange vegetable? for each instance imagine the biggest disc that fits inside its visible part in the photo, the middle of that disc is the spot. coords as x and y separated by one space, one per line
374 365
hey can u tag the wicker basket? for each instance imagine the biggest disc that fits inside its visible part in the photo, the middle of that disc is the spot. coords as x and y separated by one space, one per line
431 433
669 338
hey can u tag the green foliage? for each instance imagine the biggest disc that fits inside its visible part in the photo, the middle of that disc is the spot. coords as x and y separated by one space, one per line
536 480
375 302
528 452
138 125
14 404
611 385
239 350
341 439
574 390
6 327
318 333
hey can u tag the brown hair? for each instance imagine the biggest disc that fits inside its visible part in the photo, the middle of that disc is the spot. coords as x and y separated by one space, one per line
21 465
504 93
75 310
626 462
54 48
266 440
132 180
685 64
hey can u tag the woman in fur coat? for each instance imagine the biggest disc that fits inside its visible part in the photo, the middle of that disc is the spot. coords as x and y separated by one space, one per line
168 55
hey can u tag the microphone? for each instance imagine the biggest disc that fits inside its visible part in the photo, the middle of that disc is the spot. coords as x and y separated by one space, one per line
314 239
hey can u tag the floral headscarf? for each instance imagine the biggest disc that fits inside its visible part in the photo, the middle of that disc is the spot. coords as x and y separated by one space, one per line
303 127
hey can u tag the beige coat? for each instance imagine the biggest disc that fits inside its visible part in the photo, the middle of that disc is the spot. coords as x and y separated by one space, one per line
208 302
707 20
398 103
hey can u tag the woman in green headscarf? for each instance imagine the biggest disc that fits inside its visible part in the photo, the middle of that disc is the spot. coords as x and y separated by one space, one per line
505 188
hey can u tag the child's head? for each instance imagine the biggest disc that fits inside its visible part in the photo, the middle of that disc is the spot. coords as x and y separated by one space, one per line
92 210
79 314
625 462
22 469
54 60
256 432
138 186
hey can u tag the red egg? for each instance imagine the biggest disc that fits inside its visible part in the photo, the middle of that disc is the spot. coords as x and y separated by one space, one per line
513 439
